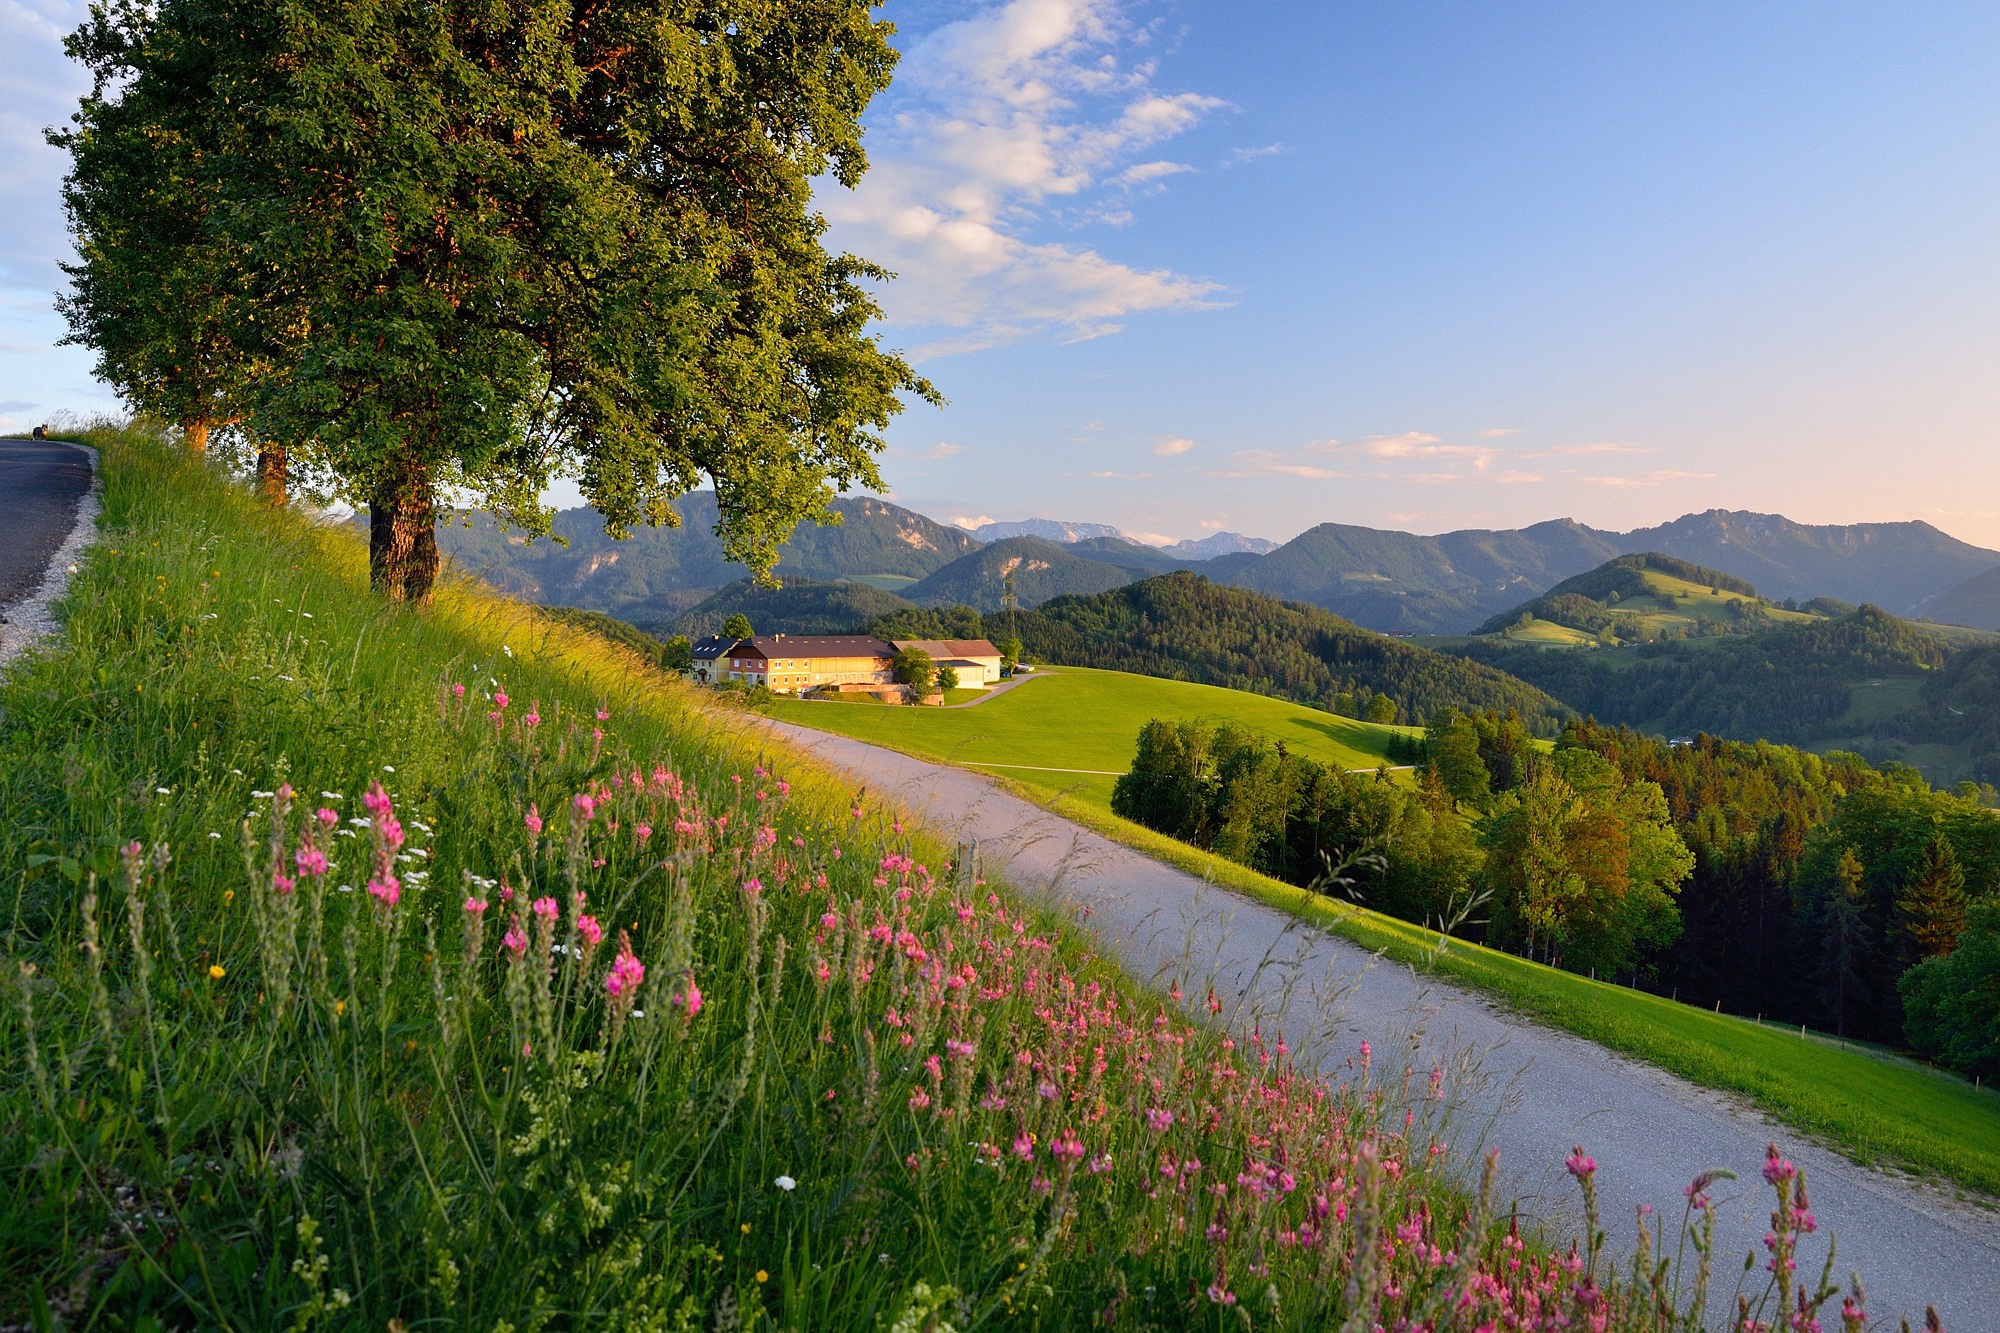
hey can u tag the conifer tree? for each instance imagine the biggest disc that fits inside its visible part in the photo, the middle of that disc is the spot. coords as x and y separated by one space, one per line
1930 907
1845 947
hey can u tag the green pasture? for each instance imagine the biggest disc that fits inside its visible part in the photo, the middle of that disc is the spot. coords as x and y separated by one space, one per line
1075 729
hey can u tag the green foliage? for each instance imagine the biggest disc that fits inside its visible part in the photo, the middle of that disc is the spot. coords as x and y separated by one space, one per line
935 622
1239 795
737 626
650 650
913 666
1952 1002
1183 627
1583 865
1381 708
677 654
470 245
795 606
946 679
1787 683
1010 652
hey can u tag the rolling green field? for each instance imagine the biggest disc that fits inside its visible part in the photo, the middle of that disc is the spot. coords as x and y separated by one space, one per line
1073 729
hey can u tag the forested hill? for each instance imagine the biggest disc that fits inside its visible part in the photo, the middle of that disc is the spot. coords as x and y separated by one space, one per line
1794 682
1183 627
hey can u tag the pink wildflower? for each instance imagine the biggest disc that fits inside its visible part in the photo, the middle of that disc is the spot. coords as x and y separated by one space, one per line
326 817
643 832
533 820
499 698
533 719
592 932
388 890
585 806
310 861
458 691
515 939
474 906
603 715
546 908
626 973
1777 1168
283 883
1580 1166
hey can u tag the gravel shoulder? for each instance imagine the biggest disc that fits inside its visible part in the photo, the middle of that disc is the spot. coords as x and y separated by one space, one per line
1525 1089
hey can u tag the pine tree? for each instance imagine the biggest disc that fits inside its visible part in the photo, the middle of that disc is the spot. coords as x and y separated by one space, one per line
1845 948
1930 907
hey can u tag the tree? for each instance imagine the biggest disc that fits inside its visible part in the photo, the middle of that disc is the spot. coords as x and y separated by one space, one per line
1381 708
1010 653
1167 789
476 245
677 654
947 679
1839 920
737 627
914 668
1951 1004
1452 742
1930 908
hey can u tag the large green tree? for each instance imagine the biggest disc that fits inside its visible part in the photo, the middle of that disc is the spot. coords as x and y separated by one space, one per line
485 243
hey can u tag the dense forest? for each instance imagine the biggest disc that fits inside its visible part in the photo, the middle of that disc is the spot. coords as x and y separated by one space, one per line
1812 889
1960 705
1183 627
1792 683
795 606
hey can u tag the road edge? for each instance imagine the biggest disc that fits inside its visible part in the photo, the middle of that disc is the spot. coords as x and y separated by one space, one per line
31 619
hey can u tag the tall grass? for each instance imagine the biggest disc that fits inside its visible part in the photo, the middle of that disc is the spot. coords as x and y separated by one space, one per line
373 969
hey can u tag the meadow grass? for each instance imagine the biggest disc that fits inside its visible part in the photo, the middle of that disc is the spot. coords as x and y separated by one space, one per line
1079 718
366 967
1873 1106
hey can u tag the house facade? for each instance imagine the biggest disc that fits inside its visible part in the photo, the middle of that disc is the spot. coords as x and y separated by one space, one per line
794 663
976 660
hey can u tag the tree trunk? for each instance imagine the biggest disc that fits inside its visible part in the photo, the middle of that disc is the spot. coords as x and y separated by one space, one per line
273 474
402 534
194 433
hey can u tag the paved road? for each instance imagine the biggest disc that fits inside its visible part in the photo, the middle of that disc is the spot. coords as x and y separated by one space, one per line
1531 1091
41 485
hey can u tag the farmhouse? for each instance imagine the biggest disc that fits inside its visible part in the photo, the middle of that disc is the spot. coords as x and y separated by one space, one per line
976 660
791 663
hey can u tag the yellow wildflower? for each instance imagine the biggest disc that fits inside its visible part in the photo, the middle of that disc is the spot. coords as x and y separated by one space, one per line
215 972
762 1276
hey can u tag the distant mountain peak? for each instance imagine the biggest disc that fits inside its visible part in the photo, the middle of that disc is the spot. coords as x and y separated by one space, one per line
1051 529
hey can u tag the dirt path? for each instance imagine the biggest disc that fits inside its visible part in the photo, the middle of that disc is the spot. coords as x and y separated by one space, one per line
1533 1092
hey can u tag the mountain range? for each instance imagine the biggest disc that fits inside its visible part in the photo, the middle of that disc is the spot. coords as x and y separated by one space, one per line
1382 579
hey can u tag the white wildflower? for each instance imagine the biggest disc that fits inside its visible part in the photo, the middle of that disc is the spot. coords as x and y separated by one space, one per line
786 1183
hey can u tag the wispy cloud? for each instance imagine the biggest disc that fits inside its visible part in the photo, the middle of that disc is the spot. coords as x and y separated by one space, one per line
1585 450
1173 448
1108 475
1242 155
939 452
1019 117
1640 479
969 522
1497 432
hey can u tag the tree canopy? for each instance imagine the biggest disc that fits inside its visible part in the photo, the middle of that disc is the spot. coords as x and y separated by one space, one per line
468 246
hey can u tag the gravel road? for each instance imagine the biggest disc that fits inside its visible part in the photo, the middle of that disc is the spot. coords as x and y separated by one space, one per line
1530 1091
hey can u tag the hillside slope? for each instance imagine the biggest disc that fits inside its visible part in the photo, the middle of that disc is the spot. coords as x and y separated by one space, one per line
1185 627
1041 569
648 577
798 606
1975 602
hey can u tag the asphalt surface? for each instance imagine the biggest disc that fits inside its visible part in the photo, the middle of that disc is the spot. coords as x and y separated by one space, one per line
1528 1090
42 483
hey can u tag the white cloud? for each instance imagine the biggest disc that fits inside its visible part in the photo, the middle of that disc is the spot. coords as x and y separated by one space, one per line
1242 155
996 125
1640 479
939 452
961 521
1118 476
1173 448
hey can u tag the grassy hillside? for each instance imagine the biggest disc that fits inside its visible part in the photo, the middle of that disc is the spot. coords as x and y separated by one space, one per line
1072 718
1807 679
1040 569
1636 597
801 606
573 1010
1185 627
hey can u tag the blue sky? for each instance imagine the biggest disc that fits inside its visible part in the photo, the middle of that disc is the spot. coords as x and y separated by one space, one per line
1194 265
